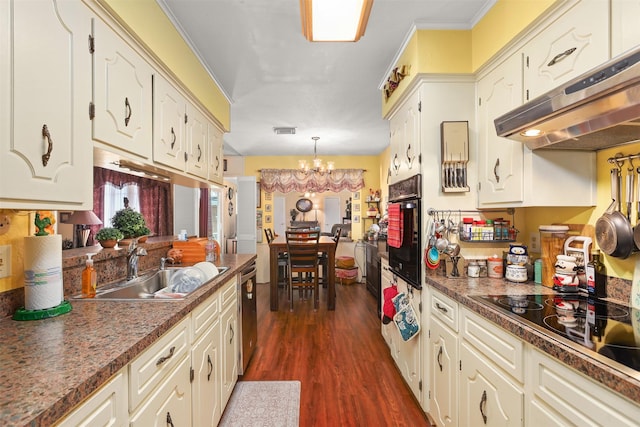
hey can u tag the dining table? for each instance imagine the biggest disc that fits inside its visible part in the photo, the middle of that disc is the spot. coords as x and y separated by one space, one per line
279 245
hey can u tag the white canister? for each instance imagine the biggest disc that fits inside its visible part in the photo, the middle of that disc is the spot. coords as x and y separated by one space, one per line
516 273
473 269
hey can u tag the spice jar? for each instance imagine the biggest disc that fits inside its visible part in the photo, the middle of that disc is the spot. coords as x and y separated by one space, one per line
495 267
552 239
473 269
482 265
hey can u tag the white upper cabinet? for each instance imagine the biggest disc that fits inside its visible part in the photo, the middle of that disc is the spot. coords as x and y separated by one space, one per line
45 81
404 126
573 44
500 159
122 94
197 143
625 30
169 109
216 164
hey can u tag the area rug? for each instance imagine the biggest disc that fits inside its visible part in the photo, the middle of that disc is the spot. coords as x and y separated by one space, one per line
263 403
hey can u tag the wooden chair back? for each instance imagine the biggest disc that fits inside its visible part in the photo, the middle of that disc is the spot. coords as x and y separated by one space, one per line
302 247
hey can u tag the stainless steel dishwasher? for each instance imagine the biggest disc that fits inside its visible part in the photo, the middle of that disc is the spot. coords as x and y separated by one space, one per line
248 315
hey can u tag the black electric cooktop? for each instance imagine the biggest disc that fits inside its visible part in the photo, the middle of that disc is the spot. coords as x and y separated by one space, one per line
607 329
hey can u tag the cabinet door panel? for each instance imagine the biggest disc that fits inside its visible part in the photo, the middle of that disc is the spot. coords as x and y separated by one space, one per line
443 374
486 397
500 160
48 83
122 94
169 108
215 154
568 47
197 143
625 31
405 139
207 383
170 403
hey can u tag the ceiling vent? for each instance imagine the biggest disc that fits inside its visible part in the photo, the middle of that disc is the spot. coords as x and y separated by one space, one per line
284 130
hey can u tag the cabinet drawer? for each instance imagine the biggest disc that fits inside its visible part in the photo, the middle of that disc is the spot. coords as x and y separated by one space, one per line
496 344
151 367
229 293
563 396
204 315
445 309
105 407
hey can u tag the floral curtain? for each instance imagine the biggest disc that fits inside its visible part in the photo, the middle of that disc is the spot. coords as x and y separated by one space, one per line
288 180
155 199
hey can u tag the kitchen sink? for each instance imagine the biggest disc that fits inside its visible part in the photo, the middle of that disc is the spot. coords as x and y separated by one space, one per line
154 286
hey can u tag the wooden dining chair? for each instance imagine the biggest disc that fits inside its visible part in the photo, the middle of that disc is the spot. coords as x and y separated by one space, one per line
323 258
283 263
302 248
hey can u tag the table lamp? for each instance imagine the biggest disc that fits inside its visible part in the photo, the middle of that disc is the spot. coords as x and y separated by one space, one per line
81 219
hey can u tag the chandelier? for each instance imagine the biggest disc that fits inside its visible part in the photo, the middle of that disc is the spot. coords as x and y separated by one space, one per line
317 165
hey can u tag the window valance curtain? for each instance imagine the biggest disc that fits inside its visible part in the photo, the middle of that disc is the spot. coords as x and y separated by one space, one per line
288 180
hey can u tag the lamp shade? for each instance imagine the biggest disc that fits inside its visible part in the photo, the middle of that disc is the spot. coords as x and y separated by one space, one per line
83 217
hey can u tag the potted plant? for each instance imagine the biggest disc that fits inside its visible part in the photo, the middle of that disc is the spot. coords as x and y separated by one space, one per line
131 223
108 237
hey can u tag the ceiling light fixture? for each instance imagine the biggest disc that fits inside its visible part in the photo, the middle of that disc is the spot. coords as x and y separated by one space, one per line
316 165
334 20
284 130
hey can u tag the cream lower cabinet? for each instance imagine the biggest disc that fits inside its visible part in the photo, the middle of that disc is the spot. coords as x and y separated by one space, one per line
491 374
443 366
230 335
406 354
106 407
560 396
45 82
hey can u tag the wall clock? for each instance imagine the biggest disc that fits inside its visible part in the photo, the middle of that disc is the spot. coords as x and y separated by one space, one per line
304 205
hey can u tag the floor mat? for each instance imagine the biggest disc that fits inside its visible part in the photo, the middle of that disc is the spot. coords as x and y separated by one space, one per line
263 403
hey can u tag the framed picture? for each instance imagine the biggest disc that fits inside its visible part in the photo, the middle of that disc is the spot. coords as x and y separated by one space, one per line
258 195
356 195
267 196
267 219
356 207
356 218
267 208
64 216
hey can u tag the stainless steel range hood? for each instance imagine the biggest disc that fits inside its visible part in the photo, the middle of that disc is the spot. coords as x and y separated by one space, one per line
597 110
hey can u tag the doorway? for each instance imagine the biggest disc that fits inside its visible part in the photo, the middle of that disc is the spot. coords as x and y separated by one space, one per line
331 213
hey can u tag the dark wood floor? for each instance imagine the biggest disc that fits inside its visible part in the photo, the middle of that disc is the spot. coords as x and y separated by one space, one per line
347 375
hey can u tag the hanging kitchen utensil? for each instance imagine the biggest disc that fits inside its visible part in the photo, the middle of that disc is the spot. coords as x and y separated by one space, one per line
629 193
636 229
613 231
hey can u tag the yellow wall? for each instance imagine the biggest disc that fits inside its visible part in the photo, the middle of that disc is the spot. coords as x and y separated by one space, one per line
18 230
502 23
371 164
148 21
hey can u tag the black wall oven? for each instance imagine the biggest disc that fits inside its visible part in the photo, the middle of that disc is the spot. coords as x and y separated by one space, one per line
405 249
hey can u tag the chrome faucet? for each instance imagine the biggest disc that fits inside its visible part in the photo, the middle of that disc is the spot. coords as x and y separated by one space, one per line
133 252
163 262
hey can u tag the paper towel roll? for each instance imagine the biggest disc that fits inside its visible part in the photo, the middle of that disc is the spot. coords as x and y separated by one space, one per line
43 272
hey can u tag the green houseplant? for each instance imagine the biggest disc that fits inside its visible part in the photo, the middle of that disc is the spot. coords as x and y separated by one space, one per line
131 223
109 237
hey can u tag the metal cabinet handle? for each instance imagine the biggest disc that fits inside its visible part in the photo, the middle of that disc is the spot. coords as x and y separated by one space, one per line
199 153
495 170
396 163
45 134
440 358
165 358
409 158
127 109
441 308
169 420
217 163
210 367
173 138
561 56
483 405
232 334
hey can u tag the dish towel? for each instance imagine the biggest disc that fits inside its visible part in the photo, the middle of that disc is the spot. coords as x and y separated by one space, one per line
405 317
394 229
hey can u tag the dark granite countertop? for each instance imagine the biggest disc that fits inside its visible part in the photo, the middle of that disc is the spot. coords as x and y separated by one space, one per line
49 366
460 289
